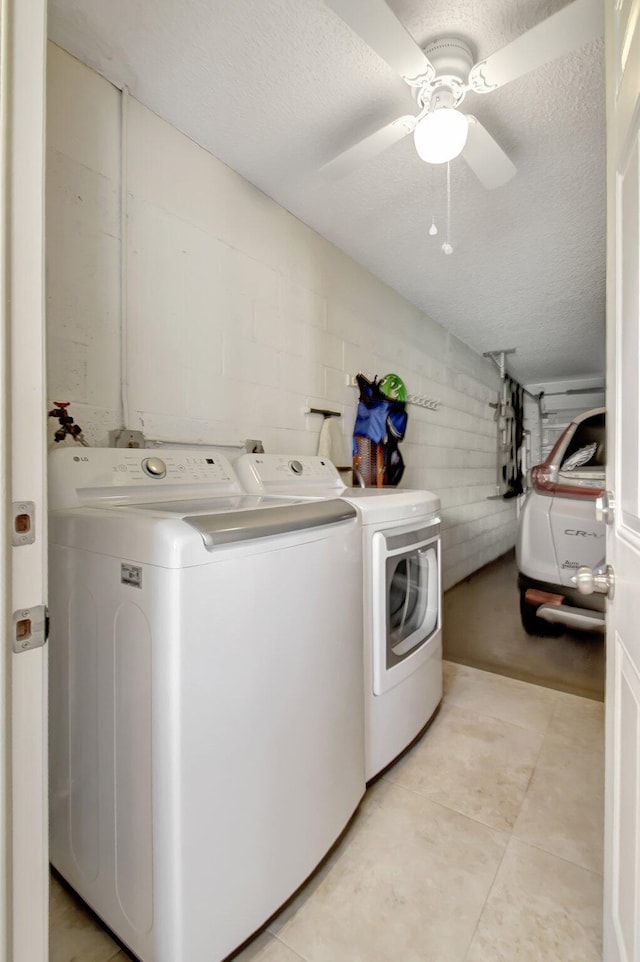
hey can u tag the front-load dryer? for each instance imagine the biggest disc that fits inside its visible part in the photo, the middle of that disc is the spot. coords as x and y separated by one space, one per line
207 743
402 592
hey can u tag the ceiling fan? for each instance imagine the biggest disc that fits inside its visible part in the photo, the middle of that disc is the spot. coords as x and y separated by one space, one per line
441 74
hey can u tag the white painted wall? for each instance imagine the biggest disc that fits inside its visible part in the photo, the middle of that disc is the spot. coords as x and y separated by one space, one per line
237 316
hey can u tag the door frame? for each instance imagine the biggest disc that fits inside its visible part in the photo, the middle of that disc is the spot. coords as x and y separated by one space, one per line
24 922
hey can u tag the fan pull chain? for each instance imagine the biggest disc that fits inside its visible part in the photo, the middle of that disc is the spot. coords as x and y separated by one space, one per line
447 247
433 230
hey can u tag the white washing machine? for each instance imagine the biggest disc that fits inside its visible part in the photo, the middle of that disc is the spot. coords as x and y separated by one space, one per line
206 723
402 594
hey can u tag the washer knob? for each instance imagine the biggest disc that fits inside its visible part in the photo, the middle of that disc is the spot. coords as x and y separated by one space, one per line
154 467
296 467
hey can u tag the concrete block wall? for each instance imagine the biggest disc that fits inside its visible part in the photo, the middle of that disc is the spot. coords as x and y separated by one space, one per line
235 317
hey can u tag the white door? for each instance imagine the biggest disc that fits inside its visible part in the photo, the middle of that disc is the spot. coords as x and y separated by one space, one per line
622 819
23 665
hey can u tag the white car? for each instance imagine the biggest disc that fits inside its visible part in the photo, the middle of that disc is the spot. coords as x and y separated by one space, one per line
558 531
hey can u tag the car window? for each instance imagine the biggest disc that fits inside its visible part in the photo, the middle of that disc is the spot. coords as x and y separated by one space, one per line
587 447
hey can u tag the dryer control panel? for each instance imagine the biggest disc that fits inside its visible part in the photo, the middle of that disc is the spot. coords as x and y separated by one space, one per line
263 472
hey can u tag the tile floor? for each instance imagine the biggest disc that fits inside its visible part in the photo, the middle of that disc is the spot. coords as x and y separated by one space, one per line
483 844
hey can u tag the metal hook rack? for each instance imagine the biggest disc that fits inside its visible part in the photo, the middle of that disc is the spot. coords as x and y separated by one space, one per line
419 400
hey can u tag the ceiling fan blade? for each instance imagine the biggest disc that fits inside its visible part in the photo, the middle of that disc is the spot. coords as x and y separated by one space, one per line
383 32
485 157
369 148
568 29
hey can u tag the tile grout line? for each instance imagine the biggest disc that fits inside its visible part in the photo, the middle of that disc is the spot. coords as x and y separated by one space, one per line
449 808
482 714
546 743
487 897
287 946
119 951
388 778
562 858
533 770
576 749
512 836
552 691
539 848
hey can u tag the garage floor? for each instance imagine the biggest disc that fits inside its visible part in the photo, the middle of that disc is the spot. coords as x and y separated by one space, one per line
482 629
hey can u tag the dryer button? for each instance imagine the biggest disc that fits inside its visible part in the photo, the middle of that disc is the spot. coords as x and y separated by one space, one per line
296 467
154 467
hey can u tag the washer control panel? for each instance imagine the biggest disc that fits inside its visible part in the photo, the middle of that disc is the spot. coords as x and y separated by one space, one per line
181 467
88 474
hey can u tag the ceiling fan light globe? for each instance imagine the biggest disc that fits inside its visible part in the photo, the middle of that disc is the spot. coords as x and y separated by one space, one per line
441 135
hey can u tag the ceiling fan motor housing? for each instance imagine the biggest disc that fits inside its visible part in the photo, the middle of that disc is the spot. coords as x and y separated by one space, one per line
452 59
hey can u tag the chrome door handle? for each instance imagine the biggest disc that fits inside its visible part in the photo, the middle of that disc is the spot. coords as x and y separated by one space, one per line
601 581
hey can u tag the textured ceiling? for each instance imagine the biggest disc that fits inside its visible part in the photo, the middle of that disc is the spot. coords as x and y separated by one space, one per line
275 88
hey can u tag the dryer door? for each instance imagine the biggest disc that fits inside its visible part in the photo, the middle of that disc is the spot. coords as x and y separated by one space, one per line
406 574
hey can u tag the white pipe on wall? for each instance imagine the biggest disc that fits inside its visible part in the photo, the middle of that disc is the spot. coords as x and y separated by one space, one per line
124 361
